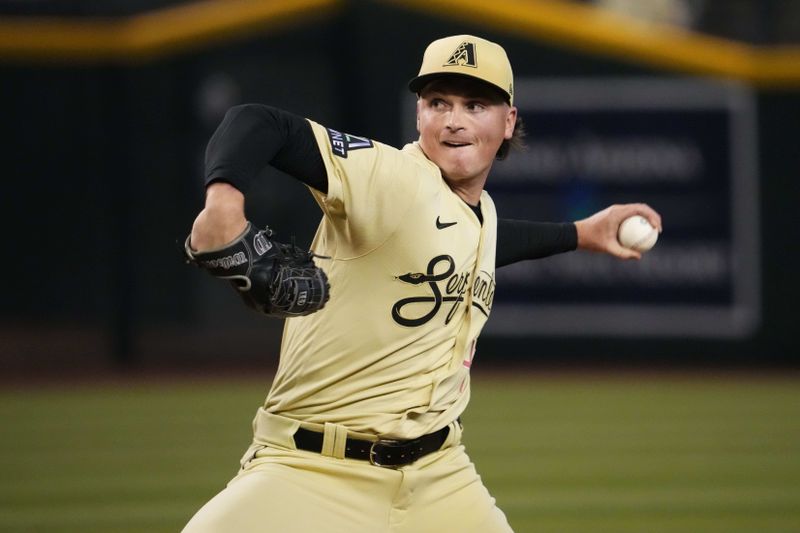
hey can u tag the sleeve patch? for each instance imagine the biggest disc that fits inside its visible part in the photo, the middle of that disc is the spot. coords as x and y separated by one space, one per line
341 143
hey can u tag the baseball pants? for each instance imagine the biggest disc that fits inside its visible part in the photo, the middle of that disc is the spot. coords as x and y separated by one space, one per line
282 489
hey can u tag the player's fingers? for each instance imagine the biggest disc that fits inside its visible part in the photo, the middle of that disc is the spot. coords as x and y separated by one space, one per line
621 252
650 214
629 254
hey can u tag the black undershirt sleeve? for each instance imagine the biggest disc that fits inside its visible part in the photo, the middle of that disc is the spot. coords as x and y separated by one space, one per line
252 136
518 240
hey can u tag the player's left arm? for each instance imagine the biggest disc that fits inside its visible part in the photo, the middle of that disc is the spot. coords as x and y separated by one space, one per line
518 240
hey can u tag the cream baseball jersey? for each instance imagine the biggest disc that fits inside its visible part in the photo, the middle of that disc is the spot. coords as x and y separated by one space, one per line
411 270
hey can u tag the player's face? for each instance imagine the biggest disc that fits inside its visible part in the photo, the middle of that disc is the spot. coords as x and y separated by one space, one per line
461 126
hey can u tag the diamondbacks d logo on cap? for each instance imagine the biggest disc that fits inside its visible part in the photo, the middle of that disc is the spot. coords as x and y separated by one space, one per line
464 56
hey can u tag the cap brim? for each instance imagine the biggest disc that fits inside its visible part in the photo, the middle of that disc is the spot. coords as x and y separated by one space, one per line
417 84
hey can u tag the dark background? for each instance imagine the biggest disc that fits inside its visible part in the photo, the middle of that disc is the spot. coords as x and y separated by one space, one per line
103 177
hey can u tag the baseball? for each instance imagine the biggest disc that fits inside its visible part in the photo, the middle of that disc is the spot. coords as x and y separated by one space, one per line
637 234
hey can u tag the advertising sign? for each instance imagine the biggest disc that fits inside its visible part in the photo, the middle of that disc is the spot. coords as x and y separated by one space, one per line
685 147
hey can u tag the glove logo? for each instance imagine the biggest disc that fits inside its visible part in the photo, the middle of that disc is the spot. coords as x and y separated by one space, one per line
227 262
261 244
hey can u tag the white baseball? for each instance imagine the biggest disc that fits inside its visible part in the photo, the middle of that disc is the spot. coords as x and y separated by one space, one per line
637 234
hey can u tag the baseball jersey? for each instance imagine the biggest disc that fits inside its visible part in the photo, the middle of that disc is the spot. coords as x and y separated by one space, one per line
411 271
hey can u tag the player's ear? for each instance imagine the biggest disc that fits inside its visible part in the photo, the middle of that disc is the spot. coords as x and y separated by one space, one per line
419 103
511 120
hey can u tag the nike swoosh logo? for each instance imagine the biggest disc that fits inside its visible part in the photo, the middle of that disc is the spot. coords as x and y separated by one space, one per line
442 225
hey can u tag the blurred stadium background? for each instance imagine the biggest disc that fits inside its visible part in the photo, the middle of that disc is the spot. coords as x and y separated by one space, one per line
657 396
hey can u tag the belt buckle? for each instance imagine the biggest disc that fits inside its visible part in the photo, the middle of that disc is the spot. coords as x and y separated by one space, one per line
373 454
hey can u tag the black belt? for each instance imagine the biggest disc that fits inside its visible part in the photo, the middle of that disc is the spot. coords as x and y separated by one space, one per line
388 453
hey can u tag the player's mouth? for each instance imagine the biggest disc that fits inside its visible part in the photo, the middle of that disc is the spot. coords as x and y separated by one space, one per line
456 144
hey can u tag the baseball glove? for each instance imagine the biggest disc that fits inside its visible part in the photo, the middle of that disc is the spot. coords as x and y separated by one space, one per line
276 279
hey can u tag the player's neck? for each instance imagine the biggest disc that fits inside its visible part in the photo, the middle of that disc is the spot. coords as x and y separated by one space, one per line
468 190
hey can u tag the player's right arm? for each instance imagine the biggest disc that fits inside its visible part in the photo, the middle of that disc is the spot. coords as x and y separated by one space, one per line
249 138
363 187
273 278
221 220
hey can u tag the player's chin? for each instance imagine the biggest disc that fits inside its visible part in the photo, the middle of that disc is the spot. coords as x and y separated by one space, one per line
455 174
460 167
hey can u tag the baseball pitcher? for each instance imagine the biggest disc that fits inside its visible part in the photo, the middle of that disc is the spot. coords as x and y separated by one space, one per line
360 431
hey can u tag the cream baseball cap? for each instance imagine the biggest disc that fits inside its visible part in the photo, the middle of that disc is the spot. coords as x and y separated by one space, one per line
466 55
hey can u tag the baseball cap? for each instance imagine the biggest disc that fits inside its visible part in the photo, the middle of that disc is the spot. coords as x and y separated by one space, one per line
466 55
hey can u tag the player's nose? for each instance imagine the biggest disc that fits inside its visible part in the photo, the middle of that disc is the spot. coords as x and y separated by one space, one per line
455 118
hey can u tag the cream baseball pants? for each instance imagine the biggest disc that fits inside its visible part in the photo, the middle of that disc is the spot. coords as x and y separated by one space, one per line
284 490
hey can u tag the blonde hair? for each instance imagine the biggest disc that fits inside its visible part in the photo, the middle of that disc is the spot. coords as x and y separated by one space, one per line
516 142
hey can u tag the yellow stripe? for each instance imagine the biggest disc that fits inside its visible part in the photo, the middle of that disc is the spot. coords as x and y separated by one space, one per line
158 32
567 24
202 21
600 32
52 37
777 66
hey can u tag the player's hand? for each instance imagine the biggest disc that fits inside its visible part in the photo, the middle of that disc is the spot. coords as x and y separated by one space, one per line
598 233
273 278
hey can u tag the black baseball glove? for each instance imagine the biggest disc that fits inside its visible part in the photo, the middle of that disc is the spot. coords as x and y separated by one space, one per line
276 279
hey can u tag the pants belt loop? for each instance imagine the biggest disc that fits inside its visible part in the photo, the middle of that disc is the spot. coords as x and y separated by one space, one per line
454 437
334 440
